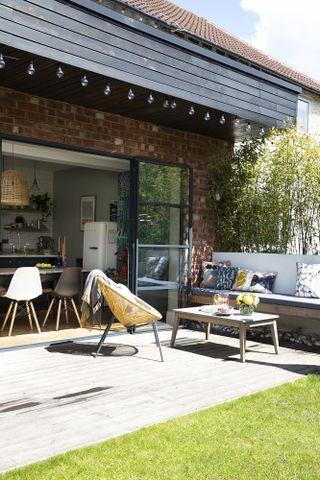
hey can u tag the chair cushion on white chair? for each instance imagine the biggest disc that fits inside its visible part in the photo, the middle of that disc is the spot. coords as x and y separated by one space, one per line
25 284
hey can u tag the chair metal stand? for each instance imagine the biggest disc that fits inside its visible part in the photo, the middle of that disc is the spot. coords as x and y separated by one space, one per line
155 331
105 333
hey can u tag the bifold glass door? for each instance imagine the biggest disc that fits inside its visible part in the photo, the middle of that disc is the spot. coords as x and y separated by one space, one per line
163 234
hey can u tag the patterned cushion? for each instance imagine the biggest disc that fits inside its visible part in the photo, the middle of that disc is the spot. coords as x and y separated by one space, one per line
210 275
226 277
205 265
262 282
308 280
243 280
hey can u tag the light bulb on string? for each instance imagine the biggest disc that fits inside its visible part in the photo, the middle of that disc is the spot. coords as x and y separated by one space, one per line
207 116
107 89
60 72
173 104
222 120
150 98
2 61
131 95
237 121
166 103
84 80
248 128
31 70
191 110
262 131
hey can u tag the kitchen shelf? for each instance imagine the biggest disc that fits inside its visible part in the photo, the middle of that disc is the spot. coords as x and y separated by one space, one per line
21 211
25 229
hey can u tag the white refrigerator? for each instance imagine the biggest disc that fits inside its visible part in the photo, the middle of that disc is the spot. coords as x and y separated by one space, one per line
100 245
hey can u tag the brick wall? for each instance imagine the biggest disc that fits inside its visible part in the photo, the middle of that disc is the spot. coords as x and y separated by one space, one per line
54 121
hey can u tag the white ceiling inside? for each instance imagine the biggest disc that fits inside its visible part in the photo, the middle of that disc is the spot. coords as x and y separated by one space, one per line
60 159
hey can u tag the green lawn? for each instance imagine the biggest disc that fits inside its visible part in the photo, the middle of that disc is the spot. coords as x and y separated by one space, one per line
270 435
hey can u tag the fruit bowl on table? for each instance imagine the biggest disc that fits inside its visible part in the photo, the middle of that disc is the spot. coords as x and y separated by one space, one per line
44 265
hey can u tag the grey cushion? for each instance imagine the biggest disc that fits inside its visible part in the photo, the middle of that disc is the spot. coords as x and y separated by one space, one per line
160 270
288 300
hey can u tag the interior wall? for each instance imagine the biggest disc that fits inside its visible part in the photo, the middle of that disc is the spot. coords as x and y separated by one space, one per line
68 187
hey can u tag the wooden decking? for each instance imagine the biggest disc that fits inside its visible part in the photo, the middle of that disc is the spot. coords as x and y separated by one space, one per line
57 399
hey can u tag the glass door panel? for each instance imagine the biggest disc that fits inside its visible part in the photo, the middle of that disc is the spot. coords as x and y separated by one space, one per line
163 234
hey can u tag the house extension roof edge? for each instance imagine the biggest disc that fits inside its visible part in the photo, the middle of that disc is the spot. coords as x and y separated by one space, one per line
263 60
104 11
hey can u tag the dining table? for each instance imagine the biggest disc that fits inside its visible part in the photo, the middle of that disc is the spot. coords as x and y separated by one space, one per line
47 275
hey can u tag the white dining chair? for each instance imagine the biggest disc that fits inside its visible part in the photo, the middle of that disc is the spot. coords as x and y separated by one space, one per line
25 285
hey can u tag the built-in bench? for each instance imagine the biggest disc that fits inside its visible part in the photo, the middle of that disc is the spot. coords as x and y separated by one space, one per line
294 311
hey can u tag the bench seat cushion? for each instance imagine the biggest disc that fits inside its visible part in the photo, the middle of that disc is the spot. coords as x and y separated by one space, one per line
276 298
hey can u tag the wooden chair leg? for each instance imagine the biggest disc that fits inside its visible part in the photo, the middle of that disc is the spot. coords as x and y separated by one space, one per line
13 318
66 310
29 315
208 328
58 314
7 316
48 312
76 312
35 317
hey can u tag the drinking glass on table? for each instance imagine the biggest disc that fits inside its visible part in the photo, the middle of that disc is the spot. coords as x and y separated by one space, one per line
221 302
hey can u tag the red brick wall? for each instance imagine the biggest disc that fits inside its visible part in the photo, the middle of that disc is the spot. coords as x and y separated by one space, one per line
50 120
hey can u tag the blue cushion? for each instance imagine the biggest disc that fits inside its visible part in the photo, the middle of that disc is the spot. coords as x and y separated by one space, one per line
226 277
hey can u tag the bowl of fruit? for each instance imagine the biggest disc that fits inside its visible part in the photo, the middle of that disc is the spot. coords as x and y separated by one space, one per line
44 265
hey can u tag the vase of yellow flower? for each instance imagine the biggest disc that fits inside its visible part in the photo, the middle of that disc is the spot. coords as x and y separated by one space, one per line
247 303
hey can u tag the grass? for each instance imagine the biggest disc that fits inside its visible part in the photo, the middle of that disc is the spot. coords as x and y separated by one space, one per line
270 435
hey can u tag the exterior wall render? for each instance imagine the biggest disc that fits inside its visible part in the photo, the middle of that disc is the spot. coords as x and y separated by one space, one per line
49 120
314 112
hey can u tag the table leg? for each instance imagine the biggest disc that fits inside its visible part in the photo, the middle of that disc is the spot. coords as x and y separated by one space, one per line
208 328
274 332
175 328
242 336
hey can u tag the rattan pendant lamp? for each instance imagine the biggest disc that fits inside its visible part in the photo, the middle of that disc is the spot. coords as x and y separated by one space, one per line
14 188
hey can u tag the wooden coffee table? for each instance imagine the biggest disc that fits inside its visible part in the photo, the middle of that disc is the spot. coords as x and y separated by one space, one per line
205 315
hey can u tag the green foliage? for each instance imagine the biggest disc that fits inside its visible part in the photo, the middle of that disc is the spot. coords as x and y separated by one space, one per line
270 435
44 204
269 195
162 191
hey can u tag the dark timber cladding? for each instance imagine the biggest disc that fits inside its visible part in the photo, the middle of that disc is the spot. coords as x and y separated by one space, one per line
89 36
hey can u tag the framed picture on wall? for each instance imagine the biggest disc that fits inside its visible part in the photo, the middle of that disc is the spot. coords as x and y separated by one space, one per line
87 209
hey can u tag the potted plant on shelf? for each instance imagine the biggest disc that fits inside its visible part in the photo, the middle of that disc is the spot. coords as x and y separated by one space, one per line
19 221
44 204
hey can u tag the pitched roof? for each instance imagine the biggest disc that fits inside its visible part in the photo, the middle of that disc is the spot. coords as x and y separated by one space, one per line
193 24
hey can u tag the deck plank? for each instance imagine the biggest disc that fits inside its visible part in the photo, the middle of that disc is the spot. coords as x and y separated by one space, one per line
51 402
